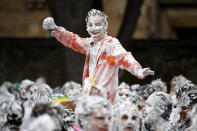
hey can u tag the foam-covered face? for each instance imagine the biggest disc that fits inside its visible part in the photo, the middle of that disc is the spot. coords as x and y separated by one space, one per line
44 95
15 115
99 120
151 112
72 89
11 112
129 120
96 27
123 95
28 92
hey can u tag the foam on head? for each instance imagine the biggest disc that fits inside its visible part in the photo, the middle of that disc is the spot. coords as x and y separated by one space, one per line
86 105
186 92
95 12
42 123
126 115
11 107
160 104
123 93
72 89
159 85
55 111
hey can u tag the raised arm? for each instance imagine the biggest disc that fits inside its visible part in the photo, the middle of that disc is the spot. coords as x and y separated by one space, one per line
67 38
128 62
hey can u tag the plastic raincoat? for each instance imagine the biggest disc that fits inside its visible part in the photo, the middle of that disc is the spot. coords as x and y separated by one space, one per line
110 57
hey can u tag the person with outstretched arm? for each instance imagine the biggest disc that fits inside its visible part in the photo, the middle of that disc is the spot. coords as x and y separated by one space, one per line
104 54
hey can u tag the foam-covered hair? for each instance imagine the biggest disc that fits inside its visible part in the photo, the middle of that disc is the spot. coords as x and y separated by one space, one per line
124 85
11 107
42 123
145 91
159 85
95 12
162 102
55 111
86 105
72 89
193 116
124 107
178 81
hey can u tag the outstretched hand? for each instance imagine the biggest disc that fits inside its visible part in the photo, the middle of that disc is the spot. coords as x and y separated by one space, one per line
49 24
147 72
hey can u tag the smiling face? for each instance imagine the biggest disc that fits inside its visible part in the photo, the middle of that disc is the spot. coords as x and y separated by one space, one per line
96 27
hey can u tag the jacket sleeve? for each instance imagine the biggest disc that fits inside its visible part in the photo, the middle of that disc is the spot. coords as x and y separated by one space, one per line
71 40
125 60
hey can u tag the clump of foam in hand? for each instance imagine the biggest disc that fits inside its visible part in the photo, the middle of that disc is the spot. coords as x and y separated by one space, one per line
49 24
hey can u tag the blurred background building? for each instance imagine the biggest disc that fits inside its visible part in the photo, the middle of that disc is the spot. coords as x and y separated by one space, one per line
161 34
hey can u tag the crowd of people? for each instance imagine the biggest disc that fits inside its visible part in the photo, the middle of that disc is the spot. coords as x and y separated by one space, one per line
27 106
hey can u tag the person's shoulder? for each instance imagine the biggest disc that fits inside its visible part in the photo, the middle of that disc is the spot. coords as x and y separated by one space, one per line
113 39
88 39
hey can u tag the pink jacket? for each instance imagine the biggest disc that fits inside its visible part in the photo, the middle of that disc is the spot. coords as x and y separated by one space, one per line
110 57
